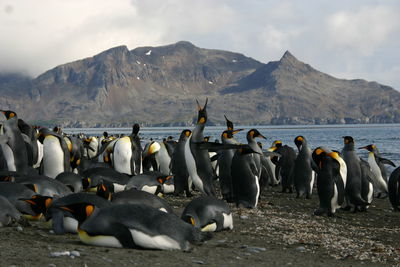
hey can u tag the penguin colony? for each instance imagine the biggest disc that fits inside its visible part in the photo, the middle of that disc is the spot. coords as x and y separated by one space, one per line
109 189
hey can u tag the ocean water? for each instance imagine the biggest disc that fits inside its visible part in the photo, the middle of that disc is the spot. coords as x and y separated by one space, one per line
385 136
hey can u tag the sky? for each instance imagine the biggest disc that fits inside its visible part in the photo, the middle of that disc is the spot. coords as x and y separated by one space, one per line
351 39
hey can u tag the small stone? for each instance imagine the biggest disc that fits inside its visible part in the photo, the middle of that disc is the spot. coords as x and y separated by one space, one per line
198 262
51 265
75 253
301 249
59 254
244 217
19 229
256 249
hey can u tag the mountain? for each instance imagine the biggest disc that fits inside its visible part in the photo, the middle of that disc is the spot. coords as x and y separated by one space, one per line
159 85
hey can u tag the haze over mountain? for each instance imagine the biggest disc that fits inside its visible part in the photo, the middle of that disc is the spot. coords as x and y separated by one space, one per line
159 85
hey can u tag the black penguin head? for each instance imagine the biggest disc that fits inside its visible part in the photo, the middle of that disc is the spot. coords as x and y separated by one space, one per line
253 133
80 211
105 190
229 124
227 134
39 204
164 178
135 129
185 134
299 140
190 219
202 115
318 155
105 134
9 114
206 138
276 144
348 140
370 148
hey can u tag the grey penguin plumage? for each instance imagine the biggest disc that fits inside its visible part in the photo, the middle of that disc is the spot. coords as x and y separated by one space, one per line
178 165
394 189
208 213
151 182
330 185
245 178
376 163
14 149
354 176
303 174
71 180
14 192
8 213
284 165
197 160
134 226
44 185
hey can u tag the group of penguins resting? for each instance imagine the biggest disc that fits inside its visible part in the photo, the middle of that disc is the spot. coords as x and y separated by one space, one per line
107 189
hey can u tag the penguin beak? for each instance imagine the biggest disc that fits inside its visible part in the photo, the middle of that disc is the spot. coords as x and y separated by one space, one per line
236 131
363 147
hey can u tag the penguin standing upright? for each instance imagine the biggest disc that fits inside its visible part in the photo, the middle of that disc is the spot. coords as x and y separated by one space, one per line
161 156
225 165
284 165
56 156
197 160
245 178
354 182
127 153
303 174
14 149
394 189
376 163
178 165
330 184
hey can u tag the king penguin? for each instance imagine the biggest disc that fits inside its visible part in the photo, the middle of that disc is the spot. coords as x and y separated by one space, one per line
303 174
376 163
394 189
56 156
197 160
330 184
178 165
134 226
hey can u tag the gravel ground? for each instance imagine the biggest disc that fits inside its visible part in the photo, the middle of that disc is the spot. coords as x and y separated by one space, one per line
281 231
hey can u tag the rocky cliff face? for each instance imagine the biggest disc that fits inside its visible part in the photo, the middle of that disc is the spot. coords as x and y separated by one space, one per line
159 85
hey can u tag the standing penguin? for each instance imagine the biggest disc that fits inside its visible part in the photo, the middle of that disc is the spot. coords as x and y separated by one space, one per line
303 174
376 163
225 165
56 156
161 156
330 184
127 153
354 176
394 189
178 165
284 165
245 178
197 160
14 148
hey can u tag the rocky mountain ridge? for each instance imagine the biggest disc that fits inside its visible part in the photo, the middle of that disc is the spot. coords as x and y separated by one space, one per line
159 85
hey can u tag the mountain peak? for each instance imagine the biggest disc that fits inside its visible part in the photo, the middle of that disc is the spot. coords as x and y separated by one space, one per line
288 58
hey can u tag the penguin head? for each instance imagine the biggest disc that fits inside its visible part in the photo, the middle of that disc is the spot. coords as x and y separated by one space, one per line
276 144
318 154
253 133
86 183
185 134
348 140
202 115
191 219
299 141
229 124
80 211
153 148
105 190
370 148
135 129
206 138
164 178
9 114
39 204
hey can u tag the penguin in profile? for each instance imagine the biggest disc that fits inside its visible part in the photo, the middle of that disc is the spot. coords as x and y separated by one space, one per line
91 147
127 153
394 189
376 163
178 165
225 165
197 160
150 182
303 174
284 165
330 184
133 196
44 185
94 176
13 145
354 183
161 156
245 178
134 226
56 156
208 213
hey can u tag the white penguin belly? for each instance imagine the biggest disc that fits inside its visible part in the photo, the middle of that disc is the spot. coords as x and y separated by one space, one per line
9 156
380 183
191 166
122 155
343 170
168 188
155 242
228 221
70 225
312 181
53 157
149 189
40 155
334 200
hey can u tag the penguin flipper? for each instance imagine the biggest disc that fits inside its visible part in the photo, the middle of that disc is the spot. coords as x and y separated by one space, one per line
386 161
